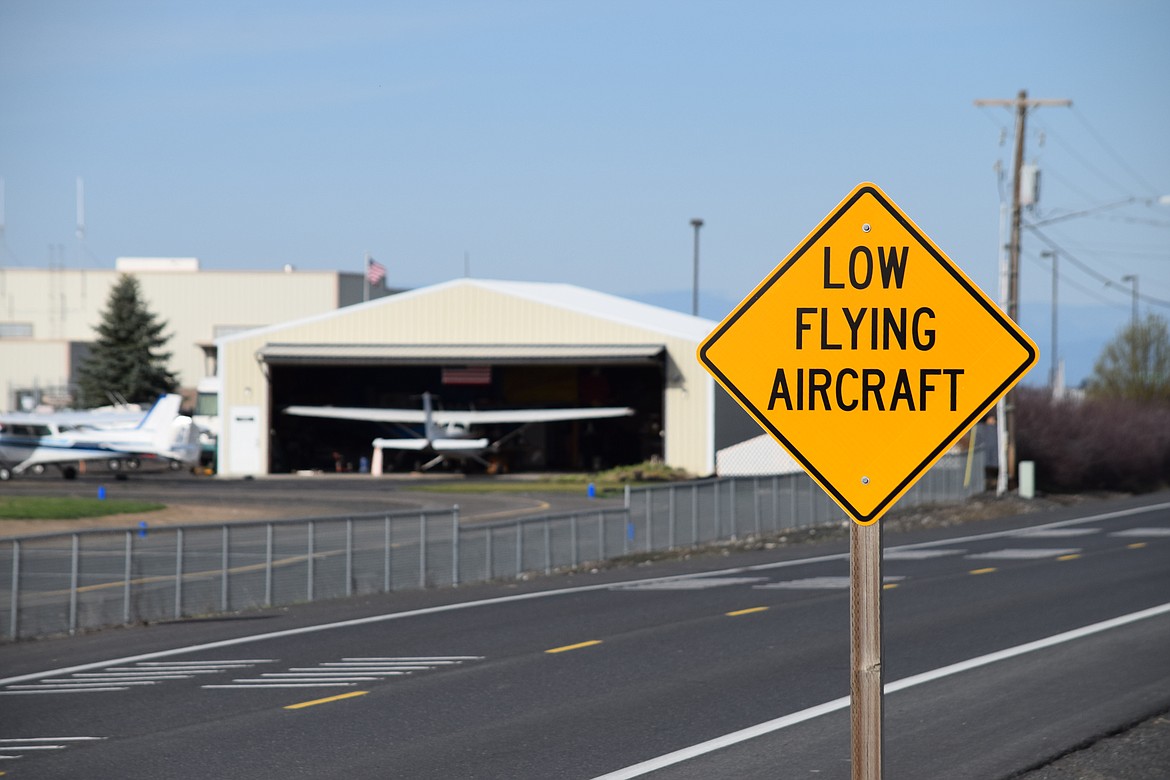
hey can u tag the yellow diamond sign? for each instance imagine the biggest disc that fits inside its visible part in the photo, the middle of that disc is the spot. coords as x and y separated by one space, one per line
867 353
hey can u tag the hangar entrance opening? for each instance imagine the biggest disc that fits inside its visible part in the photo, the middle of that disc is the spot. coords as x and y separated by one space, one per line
628 380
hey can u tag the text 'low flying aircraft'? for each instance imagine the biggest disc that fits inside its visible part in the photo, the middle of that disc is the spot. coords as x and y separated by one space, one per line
64 439
448 433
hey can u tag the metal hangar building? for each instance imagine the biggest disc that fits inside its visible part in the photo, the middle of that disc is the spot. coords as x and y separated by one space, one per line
478 344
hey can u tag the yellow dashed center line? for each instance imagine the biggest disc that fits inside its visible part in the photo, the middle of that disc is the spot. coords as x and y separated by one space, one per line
739 612
1072 557
982 571
889 586
1136 545
577 646
326 700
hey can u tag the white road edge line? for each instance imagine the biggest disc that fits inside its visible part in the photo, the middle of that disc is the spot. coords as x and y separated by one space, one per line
710 746
537 595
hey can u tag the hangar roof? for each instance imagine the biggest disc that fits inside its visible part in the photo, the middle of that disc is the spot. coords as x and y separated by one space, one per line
427 354
565 296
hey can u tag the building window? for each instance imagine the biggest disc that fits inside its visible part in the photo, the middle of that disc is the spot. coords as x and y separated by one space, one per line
16 330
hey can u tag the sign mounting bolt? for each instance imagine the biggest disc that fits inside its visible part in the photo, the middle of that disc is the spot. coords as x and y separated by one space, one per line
865 228
865 480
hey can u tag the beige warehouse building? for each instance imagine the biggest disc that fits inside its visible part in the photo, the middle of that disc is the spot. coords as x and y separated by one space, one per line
48 316
479 344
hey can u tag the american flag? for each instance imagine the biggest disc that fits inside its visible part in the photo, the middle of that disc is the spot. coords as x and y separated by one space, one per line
375 271
467 375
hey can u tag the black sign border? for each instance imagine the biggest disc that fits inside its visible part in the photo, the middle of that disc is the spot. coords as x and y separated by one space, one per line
951 268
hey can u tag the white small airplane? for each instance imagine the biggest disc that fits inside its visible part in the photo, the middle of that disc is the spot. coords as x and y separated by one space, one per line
64 439
448 434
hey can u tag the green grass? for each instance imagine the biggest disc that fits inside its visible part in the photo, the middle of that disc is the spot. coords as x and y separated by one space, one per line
68 507
607 483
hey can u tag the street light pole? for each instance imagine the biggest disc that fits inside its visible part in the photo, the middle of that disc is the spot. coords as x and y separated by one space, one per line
1055 367
696 223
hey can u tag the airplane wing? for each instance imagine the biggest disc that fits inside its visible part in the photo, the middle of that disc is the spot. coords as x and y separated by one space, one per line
488 417
359 413
505 416
402 444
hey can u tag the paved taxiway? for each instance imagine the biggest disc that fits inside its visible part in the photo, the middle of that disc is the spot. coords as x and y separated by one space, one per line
287 496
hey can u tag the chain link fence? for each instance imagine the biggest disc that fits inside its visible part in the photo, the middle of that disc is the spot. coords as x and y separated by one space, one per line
63 583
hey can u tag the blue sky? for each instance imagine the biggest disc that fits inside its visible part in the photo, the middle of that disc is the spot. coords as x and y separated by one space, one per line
574 141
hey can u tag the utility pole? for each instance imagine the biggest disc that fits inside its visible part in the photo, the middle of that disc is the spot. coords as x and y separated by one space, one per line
696 223
1021 103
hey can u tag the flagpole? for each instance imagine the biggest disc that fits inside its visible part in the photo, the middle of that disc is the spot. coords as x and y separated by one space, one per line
366 279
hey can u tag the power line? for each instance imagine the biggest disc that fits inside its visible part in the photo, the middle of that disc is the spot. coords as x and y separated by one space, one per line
1105 280
1094 294
1116 157
1076 155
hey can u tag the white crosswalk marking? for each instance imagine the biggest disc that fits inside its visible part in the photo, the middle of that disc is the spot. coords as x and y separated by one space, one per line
122 678
818 583
918 555
1023 554
346 673
697 583
1058 533
1141 532
12 748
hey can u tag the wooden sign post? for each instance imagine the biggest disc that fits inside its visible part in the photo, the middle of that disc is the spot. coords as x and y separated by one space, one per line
867 338
865 656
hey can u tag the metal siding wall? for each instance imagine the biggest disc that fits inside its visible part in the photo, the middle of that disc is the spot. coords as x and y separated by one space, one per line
465 314
190 303
25 363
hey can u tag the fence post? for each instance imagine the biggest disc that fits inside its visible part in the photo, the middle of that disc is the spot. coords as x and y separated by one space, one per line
649 494
489 564
178 573
386 562
694 513
349 556
128 569
73 577
14 620
547 548
756 498
733 489
519 548
573 539
793 481
670 502
422 550
718 518
455 545
223 588
312 563
600 535
268 566
775 503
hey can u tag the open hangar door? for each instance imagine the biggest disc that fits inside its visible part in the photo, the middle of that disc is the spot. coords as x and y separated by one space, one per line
634 379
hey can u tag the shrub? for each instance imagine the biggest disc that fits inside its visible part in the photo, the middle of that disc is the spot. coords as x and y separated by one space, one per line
1095 444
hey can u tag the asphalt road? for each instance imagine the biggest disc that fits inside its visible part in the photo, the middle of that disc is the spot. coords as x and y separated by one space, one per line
1006 644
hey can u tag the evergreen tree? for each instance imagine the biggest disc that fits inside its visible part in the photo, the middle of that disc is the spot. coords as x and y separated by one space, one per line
1135 366
127 358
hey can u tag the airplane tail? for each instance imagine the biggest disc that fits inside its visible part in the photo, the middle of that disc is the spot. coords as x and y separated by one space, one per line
158 420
